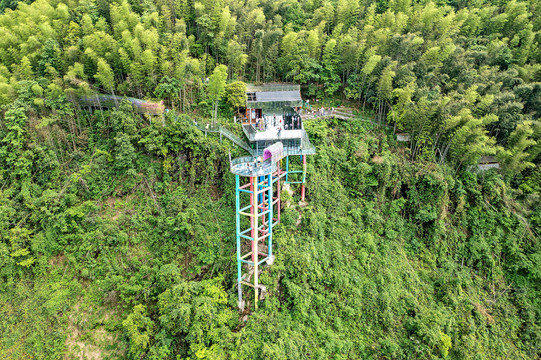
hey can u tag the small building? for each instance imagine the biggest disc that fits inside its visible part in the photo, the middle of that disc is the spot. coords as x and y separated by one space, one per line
272 116
488 162
403 137
272 100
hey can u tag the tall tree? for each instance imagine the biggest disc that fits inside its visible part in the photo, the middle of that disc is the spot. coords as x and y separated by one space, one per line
235 93
105 76
515 157
216 87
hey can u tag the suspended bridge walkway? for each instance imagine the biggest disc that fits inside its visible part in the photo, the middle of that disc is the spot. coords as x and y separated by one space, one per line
338 114
342 115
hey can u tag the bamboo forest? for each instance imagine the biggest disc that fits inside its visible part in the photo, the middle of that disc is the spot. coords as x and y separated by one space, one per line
270 179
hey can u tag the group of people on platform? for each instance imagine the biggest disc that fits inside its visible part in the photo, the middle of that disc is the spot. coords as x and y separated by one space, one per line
257 164
286 122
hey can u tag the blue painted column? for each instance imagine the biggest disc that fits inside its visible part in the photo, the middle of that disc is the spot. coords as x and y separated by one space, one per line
260 180
287 167
303 189
261 196
270 213
239 263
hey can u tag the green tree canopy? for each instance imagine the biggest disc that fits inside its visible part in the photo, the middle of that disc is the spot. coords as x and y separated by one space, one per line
216 87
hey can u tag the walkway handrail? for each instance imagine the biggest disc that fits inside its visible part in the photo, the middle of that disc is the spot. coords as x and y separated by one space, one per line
235 139
337 114
228 134
306 149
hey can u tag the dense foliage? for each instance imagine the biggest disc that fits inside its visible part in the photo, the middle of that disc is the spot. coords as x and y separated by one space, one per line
117 229
458 76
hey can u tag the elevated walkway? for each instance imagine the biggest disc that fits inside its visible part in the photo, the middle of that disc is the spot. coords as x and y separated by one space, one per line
112 101
342 115
306 149
228 134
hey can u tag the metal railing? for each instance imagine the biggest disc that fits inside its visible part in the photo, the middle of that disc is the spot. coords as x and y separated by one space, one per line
306 147
251 167
235 139
249 131
336 114
328 113
228 134
272 87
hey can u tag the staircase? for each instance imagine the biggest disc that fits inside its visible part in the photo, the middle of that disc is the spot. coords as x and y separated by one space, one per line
228 134
235 139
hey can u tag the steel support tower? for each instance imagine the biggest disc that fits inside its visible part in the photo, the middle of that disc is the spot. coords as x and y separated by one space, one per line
296 180
257 212
257 194
275 132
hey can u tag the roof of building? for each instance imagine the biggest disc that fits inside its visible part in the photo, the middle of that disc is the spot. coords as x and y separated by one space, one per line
272 87
272 96
488 159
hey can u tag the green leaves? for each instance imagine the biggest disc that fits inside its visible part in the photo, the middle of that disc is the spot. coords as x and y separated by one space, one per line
13 142
124 153
468 139
198 313
139 328
515 157
117 230
20 241
235 94
330 63
22 258
105 75
216 86
385 86
168 88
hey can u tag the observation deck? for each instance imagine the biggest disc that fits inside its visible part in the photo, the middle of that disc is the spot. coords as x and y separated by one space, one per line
296 141
250 166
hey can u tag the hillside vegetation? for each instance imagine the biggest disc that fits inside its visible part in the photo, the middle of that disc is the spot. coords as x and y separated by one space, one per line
117 229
